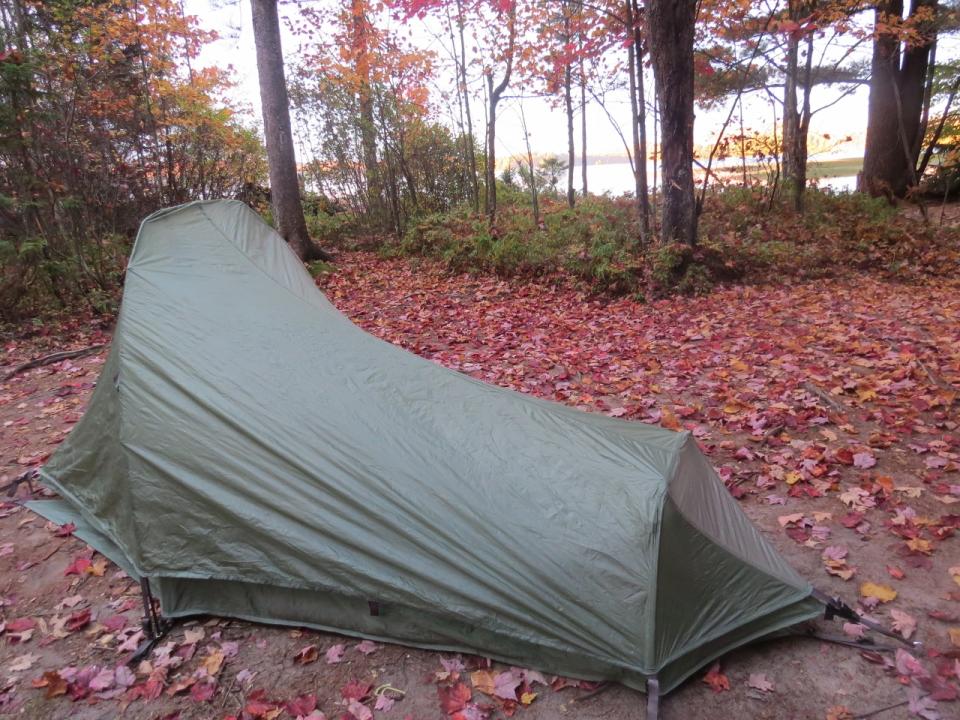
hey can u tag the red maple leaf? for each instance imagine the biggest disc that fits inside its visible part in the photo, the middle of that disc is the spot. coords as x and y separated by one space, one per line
454 698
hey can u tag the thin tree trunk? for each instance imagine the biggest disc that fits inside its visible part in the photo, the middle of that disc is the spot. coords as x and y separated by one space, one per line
635 134
284 185
670 32
368 129
583 102
583 131
534 200
568 102
471 152
495 93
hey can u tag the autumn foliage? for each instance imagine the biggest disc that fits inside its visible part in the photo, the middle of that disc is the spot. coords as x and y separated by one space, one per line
103 119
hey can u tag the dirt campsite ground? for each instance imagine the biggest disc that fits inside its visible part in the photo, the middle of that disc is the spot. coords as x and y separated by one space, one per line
830 409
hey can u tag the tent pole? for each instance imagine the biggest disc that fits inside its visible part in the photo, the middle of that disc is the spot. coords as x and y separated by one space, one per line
150 625
155 626
653 698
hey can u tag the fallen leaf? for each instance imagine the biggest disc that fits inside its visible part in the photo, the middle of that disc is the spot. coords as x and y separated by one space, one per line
483 681
454 698
864 460
366 647
54 684
717 681
191 636
505 686
22 662
903 623
213 662
839 712
78 620
883 593
759 681
334 654
203 692
78 567
301 706
307 655
359 711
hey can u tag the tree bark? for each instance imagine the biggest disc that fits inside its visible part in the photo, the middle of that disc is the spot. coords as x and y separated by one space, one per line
284 185
894 116
670 32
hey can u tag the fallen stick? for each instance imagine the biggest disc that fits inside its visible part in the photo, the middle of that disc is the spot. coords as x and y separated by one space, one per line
52 358
810 387
937 380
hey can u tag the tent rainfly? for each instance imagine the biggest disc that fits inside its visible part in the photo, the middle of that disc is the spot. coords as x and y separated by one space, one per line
249 452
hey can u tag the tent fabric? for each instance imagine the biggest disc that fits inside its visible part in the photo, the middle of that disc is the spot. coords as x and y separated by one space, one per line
255 454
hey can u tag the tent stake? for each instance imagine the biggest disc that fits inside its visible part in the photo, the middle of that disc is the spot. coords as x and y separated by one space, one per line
835 607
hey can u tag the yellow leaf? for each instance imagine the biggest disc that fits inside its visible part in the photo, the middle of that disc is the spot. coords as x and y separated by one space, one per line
793 477
483 681
955 573
528 697
883 593
739 365
920 545
955 636
213 662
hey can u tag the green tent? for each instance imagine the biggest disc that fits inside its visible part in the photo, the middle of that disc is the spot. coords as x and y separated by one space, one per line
254 454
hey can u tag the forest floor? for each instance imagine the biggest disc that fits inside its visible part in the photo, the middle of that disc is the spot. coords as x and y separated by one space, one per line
830 409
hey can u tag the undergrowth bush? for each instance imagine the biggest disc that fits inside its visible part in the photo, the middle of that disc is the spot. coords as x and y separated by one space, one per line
742 236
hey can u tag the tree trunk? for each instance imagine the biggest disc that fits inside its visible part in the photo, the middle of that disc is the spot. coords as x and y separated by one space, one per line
583 130
635 130
895 110
495 92
571 150
791 115
471 152
670 30
583 101
284 185
803 132
368 128
568 101
641 123
534 199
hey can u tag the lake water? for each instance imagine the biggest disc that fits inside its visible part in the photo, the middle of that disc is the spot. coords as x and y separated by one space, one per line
617 179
